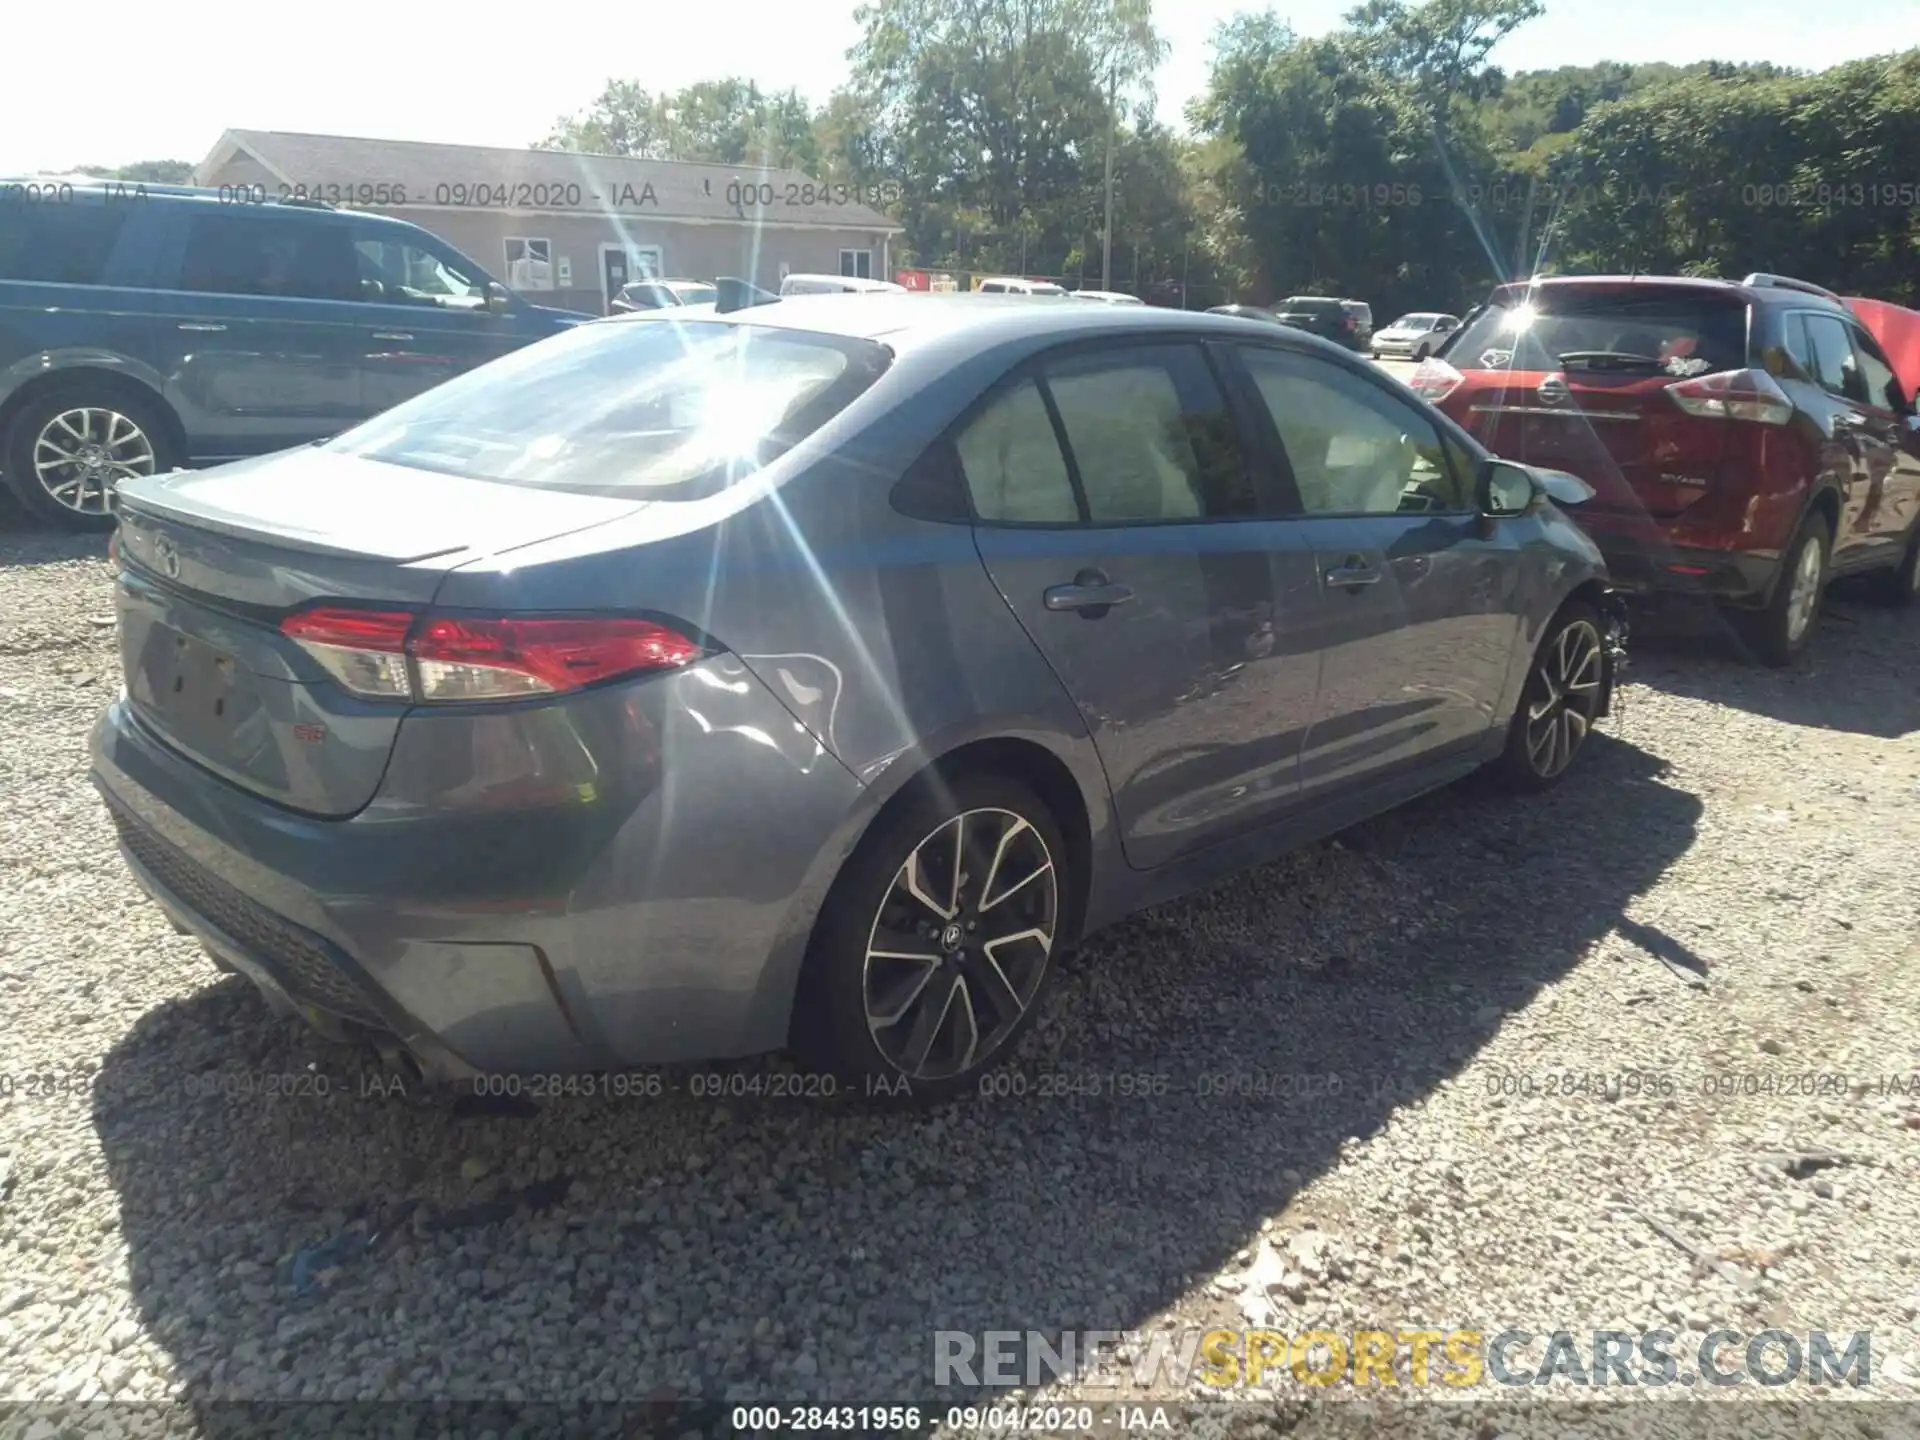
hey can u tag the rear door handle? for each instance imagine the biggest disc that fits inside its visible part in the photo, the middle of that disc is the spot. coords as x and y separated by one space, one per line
1087 595
1354 572
391 335
210 329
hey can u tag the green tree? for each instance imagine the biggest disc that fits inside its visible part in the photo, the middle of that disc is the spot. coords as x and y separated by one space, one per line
624 120
993 116
148 172
726 122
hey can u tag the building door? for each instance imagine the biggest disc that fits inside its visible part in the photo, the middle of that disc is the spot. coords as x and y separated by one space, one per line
621 264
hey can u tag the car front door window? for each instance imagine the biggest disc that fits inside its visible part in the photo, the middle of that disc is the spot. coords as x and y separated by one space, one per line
399 272
1353 449
1834 366
1877 377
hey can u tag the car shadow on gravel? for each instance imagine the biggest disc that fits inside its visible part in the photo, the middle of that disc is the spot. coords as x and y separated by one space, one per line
1858 674
1198 1066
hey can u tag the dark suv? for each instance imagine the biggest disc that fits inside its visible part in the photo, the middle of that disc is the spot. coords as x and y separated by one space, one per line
1345 322
148 327
1747 441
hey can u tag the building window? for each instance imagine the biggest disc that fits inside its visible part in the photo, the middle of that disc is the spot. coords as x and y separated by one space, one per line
857 263
529 263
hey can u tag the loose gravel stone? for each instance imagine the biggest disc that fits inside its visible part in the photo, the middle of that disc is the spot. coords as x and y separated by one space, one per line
1441 1072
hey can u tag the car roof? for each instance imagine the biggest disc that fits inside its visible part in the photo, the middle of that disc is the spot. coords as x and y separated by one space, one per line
119 190
913 319
1704 284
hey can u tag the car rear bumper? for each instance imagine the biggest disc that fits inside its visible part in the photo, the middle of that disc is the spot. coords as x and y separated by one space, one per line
1642 559
660 917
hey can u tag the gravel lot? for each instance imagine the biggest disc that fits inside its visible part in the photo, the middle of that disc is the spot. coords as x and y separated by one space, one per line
1726 887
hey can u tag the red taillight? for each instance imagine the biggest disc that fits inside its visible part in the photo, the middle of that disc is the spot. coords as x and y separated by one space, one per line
458 658
447 658
365 650
1435 380
1734 395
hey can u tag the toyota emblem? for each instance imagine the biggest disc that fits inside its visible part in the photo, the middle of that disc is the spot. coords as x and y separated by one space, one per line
1554 390
167 556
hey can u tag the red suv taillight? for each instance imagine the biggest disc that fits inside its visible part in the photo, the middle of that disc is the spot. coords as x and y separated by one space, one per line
450 658
1435 380
1734 395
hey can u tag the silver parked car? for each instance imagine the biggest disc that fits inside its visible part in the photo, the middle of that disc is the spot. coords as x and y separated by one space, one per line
1415 336
812 675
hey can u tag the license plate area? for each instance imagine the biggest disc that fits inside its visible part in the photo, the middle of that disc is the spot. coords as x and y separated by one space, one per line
196 692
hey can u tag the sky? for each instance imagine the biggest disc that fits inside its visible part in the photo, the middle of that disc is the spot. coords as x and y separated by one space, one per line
172 77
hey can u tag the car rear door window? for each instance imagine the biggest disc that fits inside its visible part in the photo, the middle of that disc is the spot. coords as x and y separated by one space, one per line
231 253
1353 448
67 243
1835 367
1151 436
1010 458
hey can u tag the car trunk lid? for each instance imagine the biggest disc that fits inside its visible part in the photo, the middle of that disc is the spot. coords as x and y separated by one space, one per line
1578 380
212 561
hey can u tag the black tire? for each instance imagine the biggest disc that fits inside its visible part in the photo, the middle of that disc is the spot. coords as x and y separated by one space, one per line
1771 630
139 429
1420 353
1900 586
1560 703
832 1031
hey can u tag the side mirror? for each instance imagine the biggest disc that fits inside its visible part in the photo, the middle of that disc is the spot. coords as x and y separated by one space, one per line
1506 489
1562 488
499 298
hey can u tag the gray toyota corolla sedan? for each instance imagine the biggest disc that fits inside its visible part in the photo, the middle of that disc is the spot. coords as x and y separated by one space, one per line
812 675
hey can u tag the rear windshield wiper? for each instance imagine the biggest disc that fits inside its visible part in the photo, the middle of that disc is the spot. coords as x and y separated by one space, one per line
1610 360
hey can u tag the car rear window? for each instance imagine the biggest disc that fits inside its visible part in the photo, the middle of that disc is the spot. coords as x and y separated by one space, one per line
1307 305
1684 332
664 410
58 243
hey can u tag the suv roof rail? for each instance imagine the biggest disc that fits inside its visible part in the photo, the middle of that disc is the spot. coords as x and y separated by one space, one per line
1764 281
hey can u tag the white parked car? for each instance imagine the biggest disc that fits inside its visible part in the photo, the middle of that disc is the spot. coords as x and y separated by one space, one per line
663 295
1016 285
1108 297
1414 336
837 285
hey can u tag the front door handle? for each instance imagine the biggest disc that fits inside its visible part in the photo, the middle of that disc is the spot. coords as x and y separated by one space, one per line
391 335
1090 591
210 329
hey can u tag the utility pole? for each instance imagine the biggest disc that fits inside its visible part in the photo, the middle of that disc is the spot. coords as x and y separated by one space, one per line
1523 267
1106 238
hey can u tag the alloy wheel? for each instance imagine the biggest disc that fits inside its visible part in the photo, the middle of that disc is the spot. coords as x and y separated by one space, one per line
80 455
961 943
1566 695
1803 594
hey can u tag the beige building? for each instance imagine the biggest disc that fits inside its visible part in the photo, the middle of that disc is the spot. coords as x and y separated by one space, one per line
567 229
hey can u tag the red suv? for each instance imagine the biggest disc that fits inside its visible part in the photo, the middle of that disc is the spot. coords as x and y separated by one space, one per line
1747 441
